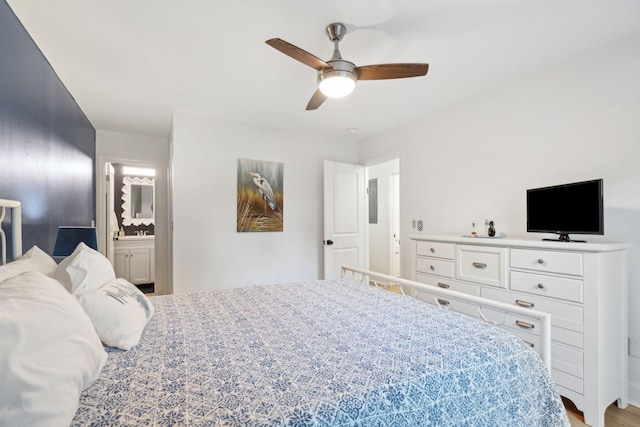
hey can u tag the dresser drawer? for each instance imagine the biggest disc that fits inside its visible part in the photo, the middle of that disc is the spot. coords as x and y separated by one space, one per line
566 319
435 266
436 249
567 364
445 283
548 261
566 381
532 341
567 367
567 359
563 315
482 264
549 286
512 322
448 303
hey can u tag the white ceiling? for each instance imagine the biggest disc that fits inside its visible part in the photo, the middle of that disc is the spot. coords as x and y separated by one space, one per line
131 63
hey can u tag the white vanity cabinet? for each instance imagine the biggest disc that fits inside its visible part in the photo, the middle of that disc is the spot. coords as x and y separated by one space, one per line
582 285
134 259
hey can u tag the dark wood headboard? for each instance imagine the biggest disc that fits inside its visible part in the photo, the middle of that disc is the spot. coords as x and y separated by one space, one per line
47 144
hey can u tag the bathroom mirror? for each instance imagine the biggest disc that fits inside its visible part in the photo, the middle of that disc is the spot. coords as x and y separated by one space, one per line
137 201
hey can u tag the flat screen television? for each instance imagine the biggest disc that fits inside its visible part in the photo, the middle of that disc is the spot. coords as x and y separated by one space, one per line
575 208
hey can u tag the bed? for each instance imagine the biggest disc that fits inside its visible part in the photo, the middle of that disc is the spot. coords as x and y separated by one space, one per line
318 353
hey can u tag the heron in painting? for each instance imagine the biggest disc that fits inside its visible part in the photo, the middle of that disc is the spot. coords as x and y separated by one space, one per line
265 191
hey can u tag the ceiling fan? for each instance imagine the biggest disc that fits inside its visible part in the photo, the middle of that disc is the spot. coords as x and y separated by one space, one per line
337 77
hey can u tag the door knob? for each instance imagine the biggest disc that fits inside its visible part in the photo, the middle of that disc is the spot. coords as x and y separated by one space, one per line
328 242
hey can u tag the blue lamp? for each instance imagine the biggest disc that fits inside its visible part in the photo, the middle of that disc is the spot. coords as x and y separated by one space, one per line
69 237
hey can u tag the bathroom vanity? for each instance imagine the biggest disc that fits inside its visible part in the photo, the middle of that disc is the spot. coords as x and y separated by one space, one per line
134 258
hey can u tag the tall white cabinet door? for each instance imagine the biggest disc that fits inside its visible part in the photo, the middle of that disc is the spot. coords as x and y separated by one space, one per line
139 266
121 262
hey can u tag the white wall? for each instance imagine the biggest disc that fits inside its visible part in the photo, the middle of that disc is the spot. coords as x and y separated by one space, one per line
208 253
133 150
576 121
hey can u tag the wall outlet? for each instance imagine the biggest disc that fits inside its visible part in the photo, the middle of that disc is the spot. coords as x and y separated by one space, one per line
634 347
413 223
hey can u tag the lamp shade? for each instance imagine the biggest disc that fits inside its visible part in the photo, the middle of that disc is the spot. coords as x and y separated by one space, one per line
69 237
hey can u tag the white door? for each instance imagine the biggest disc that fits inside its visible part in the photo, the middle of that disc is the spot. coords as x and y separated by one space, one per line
344 217
110 213
395 225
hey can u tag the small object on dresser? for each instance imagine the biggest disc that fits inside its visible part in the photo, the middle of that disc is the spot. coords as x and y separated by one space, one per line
474 233
492 230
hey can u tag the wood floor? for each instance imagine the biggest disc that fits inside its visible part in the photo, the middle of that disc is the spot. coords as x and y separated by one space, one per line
613 417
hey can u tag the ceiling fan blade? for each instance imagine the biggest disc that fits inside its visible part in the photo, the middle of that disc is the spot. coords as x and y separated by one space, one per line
316 100
298 54
391 71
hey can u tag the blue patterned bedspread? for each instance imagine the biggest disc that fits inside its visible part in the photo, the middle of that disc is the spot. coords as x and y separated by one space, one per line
325 353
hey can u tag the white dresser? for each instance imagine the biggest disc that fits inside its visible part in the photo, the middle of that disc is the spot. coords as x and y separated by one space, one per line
582 285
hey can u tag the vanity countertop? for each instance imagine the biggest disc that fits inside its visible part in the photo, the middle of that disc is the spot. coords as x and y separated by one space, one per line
148 237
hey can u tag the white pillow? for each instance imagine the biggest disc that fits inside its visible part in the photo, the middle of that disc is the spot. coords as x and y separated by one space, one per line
84 270
119 312
49 352
34 260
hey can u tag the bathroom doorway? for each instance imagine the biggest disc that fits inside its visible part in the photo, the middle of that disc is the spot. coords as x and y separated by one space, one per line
128 232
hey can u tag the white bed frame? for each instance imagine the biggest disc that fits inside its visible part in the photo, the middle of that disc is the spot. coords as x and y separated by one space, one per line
383 280
16 229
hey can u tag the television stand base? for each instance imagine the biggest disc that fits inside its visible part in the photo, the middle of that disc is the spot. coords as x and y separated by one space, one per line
564 237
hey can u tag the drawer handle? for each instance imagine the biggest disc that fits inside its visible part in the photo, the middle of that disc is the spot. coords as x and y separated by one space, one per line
479 264
530 344
432 268
524 324
443 301
540 261
526 304
540 286
433 251
443 285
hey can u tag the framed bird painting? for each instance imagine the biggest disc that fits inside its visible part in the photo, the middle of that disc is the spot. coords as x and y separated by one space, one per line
260 196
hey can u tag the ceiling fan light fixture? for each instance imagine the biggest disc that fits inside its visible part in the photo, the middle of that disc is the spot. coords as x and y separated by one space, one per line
337 83
337 77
